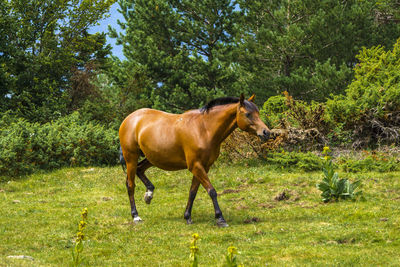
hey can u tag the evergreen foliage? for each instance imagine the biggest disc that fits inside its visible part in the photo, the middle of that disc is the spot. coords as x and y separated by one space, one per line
307 47
180 54
69 141
184 49
371 105
42 43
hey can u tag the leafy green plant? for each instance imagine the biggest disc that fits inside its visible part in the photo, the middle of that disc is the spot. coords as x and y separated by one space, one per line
334 188
80 236
230 258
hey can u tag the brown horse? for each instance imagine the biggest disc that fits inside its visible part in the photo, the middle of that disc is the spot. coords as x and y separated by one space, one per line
190 141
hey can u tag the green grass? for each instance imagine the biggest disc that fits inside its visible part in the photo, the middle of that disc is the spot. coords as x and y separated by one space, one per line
40 214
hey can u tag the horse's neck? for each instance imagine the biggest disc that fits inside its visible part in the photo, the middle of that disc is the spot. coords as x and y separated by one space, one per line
221 122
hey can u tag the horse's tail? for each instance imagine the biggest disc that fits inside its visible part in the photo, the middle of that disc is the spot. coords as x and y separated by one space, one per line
122 159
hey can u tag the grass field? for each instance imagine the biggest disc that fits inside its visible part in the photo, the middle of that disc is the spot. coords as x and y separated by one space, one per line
40 214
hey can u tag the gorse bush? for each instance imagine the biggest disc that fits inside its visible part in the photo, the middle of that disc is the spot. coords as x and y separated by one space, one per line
272 112
371 161
371 106
283 111
69 141
294 160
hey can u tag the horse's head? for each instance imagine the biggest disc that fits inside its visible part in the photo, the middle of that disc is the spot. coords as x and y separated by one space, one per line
248 118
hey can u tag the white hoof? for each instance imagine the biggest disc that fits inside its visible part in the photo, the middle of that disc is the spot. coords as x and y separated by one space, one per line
137 219
148 196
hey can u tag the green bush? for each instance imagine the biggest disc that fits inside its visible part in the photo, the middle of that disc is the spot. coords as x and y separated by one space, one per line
283 111
273 110
371 106
69 141
297 160
372 162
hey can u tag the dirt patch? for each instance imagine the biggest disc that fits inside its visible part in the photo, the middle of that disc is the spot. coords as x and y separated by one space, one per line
252 220
286 195
229 191
282 196
259 233
236 199
242 207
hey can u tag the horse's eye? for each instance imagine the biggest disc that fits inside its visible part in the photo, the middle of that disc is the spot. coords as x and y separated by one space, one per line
248 115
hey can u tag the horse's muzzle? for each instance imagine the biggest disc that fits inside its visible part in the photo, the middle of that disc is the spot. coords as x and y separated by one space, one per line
265 135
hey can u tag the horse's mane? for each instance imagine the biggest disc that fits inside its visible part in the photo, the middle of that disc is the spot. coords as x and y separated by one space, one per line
219 102
225 101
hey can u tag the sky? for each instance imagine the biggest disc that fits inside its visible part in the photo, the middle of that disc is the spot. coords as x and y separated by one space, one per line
103 27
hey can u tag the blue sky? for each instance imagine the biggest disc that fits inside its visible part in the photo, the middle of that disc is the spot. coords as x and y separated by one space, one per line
103 27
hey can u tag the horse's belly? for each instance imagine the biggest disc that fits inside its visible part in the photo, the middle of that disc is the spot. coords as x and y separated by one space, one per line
167 162
164 155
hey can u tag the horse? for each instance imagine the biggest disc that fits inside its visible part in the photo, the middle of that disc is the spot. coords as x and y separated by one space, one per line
190 140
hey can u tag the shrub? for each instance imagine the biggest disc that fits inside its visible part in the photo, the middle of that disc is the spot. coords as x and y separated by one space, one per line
371 106
69 141
294 160
272 112
372 161
302 123
283 111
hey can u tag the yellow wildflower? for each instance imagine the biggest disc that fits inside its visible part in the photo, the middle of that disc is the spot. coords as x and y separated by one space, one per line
82 225
79 236
195 236
232 250
84 213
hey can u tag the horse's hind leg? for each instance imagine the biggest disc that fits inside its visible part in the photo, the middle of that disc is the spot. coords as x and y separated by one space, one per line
192 196
142 167
131 166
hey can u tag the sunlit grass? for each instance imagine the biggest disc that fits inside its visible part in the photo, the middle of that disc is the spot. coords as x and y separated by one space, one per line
39 218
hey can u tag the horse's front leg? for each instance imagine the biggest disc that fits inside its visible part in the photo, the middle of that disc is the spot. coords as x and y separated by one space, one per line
201 174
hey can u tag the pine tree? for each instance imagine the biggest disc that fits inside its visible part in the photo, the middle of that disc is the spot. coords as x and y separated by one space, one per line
183 47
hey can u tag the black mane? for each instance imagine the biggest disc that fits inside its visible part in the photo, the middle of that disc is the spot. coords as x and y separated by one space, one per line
225 101
219 102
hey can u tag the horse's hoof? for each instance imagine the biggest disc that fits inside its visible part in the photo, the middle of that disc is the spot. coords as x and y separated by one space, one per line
189 221
137 219
148 196
222 223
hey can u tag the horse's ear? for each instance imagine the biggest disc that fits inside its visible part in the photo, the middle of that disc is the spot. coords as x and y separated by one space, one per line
251 99
241 100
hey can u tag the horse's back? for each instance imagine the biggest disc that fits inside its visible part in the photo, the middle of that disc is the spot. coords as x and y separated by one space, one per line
157 134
